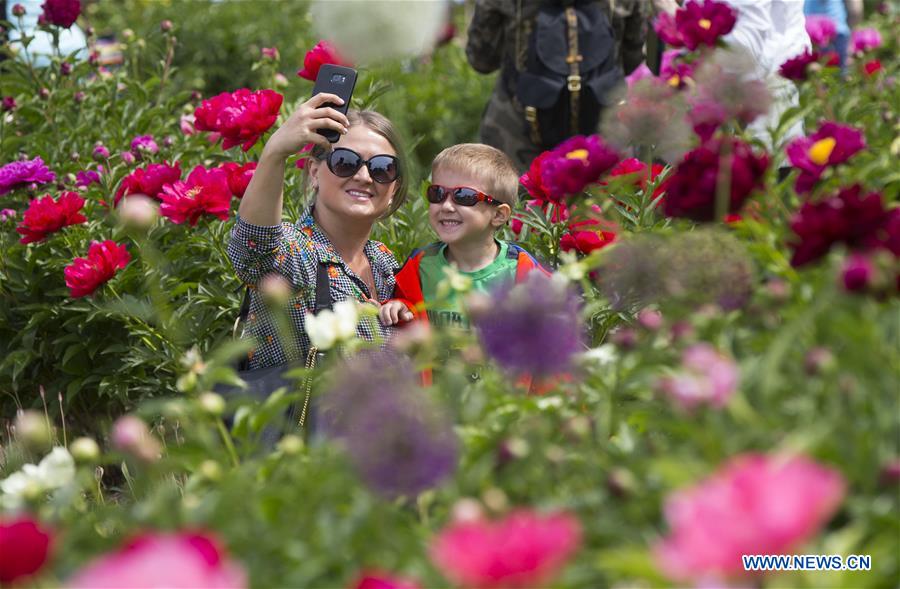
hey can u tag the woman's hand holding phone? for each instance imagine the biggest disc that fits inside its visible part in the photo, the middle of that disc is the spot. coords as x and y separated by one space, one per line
300 128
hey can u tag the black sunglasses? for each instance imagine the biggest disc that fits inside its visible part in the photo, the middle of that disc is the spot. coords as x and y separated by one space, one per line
462 195
344 163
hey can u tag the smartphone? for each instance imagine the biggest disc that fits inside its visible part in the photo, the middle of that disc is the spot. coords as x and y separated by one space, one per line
339 80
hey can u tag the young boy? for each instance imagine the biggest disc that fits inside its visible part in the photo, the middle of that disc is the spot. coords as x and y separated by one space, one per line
474 189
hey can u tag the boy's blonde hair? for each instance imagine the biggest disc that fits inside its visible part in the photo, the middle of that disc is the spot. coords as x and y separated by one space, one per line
490 166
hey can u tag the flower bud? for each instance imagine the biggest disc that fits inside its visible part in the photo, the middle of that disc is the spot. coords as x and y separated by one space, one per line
89 32
650 319
79 97
74 156
165 26
466 510
9 104
85 450
290 445
270 53
100 152
132 436
818 360
495 500
32 429
212 404
281 81
18 10
44 93
621 482
138 211
7 214
127 157
128 35
65 68
890 473
210 470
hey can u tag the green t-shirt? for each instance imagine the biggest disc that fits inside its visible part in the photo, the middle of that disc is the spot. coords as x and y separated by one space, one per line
445 311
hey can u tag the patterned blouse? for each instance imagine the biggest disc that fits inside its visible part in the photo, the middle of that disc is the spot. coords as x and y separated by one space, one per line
295 251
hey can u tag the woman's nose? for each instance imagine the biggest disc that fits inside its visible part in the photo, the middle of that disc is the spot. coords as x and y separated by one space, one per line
362 175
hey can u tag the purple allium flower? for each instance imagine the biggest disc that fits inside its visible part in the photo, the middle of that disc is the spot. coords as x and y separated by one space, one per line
727 90
15 174
575 163
87 177
831 145
706 376
797 68
862 40
534 327
9 104
100 152
398 441
704 23
821 30
144 144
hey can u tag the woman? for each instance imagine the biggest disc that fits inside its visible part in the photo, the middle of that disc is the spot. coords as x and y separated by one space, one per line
356 181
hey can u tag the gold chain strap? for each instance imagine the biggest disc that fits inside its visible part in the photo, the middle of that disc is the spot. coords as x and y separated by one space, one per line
573 59
310 364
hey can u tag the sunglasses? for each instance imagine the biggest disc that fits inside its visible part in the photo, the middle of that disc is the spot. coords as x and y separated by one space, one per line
462 195
344 163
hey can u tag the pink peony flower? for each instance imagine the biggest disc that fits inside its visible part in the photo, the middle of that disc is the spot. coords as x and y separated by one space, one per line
706 376
238 176
574 164
144 144
862 40
798 68
46 215
755 504
85 178
149 180
636 171
100 152
831 145
85 275
206 192
186 124
692 189
703 23
179 560
132 436
324 52
15 174
241 117
524 549
675 71
862 223
24 549
62 13
821 30
270 53
379 580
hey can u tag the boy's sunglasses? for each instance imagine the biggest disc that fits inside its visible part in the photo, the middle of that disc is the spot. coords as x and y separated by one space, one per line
344 163
462 195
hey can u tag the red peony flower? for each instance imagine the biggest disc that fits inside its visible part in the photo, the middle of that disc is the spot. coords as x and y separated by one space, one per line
241 117
45 216
149 180
704 23
62 13
872 67
378 580
637 168
797 68
862 223
574 164
85 275
524 549
692 189
206 192
831 145
585 237
238 176
24 548
304 159
754 504
324 52
532 180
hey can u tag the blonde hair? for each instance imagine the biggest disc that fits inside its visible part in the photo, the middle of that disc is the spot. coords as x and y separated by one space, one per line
490 166
383 126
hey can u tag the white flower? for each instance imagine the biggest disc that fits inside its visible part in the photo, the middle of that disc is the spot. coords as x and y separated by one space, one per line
368 31
602 355
331 326
57 469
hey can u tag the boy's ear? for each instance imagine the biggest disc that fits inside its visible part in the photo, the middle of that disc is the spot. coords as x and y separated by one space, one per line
502 213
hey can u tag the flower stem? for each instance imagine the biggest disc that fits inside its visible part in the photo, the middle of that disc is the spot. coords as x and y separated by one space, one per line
226 439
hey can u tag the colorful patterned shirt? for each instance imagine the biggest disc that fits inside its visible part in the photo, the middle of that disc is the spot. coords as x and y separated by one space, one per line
294 251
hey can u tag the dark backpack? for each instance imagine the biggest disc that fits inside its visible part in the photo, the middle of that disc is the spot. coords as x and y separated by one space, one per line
566 78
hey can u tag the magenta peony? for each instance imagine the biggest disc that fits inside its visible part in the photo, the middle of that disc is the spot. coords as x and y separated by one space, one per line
149 180
15 174
62 13
144 144
704 23
180 561
667 30
798 68
379 580
831 145
240 117
238 176
692 190
324 52
755 504
524 549
24 548
862 40
574 164
85 275
821 30
45 216
205 192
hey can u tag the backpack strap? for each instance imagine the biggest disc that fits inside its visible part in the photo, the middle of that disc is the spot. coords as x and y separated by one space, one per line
573 59
323 288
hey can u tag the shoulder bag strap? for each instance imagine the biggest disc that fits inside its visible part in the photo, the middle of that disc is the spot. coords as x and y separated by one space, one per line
573 59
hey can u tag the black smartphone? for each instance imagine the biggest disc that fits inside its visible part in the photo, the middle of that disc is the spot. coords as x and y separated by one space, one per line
339 80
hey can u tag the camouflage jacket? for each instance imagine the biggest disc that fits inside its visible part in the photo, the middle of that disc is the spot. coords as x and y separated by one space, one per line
497 36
